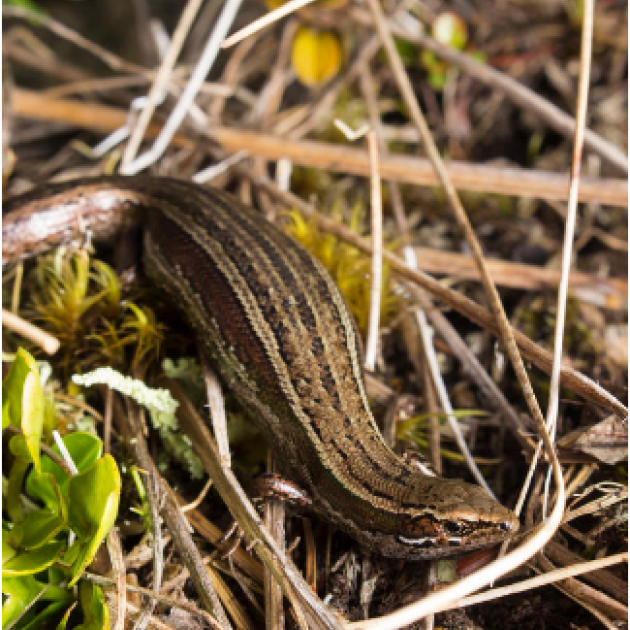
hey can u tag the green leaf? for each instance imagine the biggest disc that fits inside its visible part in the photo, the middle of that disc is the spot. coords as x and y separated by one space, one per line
95 615
84 449
441 416
6 417
408 52
93 498
13 385
64 620
19 448
18 594
33 415
13 505
47 616
73 552
8 551
41 526
30 562
42 486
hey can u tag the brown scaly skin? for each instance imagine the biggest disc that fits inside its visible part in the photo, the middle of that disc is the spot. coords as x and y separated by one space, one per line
276 328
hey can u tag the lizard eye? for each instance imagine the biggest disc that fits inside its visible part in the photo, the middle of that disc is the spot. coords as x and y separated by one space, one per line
453 527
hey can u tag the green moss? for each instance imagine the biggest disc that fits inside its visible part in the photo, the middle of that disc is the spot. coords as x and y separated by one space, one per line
349 268
79 300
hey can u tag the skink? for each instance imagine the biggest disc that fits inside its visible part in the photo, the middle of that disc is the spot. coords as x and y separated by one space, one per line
276 328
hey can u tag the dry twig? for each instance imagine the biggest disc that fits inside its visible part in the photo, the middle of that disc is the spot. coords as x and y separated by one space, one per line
338 158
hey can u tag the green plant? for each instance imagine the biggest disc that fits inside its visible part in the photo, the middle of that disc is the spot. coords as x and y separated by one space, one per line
56 520
449 29
414 430
79 300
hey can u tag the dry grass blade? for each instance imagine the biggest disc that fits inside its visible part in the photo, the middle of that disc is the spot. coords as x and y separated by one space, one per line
586 595
58 459
567 249
193 86
266 20
459 213
547 578
371 345
216 405
426 335
111 60
159 82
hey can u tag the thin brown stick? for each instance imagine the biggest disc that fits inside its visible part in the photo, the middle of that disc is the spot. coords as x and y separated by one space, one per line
47 450
585 594
79 404
113 61
39 337
474 369
418 171
601 578
175 522
413 170
274 522
609 293
163 599
193 505
234 607
114 548
107 420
